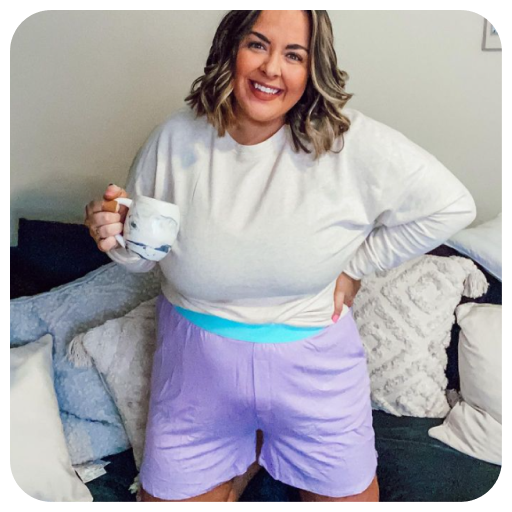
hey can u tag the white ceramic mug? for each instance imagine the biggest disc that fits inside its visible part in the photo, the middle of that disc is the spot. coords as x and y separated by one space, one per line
150 228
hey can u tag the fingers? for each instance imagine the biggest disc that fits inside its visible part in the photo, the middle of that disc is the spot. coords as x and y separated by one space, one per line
105 218
339 299
106 244
103 226
90 210
99 219
110 206
109 230
113 192
103 206
344 294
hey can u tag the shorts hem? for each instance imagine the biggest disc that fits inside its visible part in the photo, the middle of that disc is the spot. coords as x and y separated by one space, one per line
182 495
321 490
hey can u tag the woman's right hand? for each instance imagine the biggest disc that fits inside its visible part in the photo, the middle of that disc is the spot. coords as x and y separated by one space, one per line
102 222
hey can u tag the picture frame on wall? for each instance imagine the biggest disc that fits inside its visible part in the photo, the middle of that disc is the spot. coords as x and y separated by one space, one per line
491 41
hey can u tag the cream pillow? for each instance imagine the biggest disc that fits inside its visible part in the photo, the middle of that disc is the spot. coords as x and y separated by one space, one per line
405 316
474 424
40 461
122 351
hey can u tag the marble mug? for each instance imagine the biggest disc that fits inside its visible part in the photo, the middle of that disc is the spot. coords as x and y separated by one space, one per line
150 228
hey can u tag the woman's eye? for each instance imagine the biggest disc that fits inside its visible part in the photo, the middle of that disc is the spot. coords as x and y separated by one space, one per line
257 45
295 56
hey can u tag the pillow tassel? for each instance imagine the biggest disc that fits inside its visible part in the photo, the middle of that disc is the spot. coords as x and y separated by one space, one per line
475 284
135 488
77 353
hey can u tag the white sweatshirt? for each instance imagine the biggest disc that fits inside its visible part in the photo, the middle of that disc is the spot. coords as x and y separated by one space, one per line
265 231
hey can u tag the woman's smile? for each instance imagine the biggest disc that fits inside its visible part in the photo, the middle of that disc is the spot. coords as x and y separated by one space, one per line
264 92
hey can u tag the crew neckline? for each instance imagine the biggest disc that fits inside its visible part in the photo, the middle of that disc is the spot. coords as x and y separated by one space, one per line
257 149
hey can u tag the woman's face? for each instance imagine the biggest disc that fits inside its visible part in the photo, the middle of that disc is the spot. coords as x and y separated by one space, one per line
272 67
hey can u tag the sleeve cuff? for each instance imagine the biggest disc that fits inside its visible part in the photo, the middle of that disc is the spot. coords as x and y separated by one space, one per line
352 271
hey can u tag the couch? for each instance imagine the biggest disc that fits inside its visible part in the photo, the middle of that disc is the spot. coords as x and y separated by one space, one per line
412 465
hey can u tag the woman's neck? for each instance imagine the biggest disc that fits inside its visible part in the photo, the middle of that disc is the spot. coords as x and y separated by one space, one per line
248 132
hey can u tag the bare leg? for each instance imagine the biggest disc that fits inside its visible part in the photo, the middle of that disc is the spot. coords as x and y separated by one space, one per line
370 494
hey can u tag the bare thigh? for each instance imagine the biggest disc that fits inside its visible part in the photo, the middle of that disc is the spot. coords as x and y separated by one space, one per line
220 493
370 494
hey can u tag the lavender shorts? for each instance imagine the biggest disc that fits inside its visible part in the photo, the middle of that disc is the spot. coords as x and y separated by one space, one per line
209 395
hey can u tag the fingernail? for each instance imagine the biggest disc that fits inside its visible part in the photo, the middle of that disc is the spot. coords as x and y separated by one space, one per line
111 184
335 317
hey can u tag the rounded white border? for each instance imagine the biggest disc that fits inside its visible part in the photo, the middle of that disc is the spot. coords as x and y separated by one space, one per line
493 10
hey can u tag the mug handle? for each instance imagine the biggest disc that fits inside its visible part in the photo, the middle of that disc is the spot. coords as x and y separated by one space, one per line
125 202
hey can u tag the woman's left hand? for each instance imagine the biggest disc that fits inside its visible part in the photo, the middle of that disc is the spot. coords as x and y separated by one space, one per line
344 293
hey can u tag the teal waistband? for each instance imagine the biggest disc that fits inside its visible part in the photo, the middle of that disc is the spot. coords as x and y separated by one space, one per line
257 333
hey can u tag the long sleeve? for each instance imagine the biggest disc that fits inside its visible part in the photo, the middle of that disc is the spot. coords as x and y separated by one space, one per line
423 204
141 181
388 246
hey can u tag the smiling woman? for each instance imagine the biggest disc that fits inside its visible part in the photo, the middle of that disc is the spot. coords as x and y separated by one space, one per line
288 199
290 52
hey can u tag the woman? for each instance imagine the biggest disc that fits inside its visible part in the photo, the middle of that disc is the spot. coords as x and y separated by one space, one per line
288 199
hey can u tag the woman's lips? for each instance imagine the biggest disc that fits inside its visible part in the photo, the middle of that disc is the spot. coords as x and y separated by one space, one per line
264 96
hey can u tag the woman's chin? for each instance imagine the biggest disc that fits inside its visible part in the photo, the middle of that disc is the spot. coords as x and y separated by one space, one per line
264 117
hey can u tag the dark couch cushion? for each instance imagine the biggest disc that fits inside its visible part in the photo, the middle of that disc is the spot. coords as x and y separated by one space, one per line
51 254
415 467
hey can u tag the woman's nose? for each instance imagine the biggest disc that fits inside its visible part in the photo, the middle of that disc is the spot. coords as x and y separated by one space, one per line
272 65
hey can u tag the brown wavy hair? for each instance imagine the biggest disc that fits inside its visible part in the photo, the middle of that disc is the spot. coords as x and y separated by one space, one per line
316 120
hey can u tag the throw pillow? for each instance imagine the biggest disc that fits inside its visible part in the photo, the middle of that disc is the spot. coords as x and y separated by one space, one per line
122 351
40 461
405 316
91 421
473 426
482 244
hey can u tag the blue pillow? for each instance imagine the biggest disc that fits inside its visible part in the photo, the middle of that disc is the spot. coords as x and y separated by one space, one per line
90 418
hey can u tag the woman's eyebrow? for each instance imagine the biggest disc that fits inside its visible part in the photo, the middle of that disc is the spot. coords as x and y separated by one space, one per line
289 47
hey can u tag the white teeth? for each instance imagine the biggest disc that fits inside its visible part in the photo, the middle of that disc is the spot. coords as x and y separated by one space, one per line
268 90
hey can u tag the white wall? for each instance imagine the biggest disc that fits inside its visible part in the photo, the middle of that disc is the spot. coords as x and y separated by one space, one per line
87 87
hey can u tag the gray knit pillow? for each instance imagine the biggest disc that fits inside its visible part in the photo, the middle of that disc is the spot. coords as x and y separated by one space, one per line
405 316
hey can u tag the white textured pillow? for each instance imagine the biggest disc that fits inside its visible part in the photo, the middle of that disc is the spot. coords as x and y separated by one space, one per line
482 244
40 461
122 351
405 316
474 424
